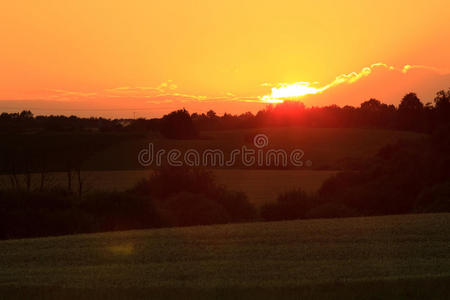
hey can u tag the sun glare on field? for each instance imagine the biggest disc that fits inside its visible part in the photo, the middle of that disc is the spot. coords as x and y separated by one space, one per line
290 91
122 249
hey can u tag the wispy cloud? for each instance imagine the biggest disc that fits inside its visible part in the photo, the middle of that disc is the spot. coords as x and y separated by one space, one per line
406 68
161 88
287 91
62 95
168 92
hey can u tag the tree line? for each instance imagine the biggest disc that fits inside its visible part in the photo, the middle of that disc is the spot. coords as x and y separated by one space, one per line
403 177
411 114
169 197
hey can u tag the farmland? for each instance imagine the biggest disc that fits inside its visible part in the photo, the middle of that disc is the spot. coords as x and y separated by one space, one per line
326 148
116 167
372 257
261 186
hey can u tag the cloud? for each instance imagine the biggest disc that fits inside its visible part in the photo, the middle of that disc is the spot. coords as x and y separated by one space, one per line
376 77
384 82
406 68
64 95
175 97
161 88
167 92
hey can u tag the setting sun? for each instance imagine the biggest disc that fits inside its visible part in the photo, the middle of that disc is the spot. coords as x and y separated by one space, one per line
147 58
179 149
290 91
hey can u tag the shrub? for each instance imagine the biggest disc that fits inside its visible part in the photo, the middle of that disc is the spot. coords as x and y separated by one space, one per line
289 205
434 199
186 209
331 210
168 181
194 192
29 214
236 204
121 211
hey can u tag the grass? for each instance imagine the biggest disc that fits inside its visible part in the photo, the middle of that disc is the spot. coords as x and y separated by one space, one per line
374 257
261 186
326 148
117 168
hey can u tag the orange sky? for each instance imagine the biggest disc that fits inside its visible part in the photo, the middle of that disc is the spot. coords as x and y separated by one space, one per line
117 58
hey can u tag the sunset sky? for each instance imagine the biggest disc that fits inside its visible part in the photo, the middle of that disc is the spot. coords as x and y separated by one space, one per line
146 58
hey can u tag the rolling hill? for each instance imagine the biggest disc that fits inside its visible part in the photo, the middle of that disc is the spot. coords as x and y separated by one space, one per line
325 148
374 257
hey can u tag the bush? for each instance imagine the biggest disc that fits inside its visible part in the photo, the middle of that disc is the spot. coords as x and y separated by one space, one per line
290 205
171 197
434 199
29 214
404 177
187 209
331 210
121 211
168 181
236 204
193 192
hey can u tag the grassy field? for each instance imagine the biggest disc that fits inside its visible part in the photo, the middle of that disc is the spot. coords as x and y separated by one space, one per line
261 186
117 167
326 148
371 258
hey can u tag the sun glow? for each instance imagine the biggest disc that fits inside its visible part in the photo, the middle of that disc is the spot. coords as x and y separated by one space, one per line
290 91
293 91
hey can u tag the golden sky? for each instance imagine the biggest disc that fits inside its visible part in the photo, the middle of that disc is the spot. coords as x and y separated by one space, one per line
114 58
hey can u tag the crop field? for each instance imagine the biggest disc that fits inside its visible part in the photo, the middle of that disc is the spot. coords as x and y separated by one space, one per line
372 258
325 148
261 186
328 149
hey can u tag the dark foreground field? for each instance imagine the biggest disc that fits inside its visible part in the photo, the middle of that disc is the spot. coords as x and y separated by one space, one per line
375 257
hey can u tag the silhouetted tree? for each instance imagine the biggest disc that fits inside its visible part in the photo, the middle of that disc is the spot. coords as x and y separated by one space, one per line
376 114
26 115
411 112
410 104
442 99
178 125
410 115
442 104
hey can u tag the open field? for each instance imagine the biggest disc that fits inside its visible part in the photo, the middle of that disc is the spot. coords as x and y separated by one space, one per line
326 148
261 186
375 257
117 168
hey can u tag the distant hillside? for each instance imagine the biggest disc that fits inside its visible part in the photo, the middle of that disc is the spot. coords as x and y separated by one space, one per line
325 148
